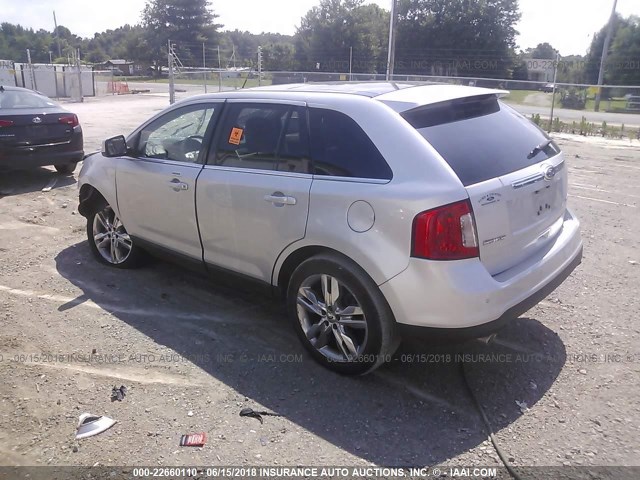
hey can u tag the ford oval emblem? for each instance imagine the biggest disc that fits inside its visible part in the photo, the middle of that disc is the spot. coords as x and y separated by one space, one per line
37 120
549 173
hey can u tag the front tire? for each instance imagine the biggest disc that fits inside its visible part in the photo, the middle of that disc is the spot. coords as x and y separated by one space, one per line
67 168
340 315
108 239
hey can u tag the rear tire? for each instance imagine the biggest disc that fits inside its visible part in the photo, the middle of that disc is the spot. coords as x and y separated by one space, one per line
67 168
108 239
340 315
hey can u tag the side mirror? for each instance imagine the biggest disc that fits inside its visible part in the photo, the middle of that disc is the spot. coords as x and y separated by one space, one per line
115 146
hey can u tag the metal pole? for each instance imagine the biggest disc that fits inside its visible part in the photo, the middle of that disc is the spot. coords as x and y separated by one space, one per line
33 76
392 41
219 71
79 75
553 96
172 87
259 66
350 63
605 52
204 65
55 22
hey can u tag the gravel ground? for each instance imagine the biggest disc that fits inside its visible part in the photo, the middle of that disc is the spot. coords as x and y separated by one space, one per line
193 353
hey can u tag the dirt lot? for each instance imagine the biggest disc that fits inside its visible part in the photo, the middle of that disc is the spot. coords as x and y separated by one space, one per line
193 354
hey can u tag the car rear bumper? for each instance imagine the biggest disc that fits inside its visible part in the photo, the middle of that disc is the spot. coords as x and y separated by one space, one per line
464 299
19 158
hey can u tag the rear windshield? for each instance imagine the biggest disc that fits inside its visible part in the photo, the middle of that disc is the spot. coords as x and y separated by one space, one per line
13 99
481 138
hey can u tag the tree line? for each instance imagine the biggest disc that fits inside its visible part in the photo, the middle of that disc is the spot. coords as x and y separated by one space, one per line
434 37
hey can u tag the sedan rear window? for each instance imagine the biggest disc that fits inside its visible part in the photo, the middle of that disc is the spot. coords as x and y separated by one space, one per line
481 138
14 99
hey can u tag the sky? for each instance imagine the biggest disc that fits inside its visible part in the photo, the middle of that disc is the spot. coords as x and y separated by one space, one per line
568 25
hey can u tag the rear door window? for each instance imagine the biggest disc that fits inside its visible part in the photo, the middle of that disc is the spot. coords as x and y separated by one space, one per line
339 147
481 138
263 137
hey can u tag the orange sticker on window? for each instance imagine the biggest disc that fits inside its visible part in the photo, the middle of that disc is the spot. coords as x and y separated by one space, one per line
236 136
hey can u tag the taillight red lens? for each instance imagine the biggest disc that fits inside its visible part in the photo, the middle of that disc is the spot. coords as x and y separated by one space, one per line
69 120
445 233
6 123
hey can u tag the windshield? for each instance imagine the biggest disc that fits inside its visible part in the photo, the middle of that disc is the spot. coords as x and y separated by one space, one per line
14 99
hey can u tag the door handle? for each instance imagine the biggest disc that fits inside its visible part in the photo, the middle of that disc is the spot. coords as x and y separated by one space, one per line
177 185
279 199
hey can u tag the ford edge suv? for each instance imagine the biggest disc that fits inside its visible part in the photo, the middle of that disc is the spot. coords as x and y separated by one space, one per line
376 210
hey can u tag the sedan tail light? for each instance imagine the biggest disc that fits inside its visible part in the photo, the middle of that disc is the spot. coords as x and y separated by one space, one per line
71 120
5 123
445 233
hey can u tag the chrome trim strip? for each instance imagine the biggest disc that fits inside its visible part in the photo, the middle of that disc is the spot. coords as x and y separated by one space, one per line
528 180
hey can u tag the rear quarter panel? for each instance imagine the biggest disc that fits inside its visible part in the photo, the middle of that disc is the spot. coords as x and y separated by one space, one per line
421 180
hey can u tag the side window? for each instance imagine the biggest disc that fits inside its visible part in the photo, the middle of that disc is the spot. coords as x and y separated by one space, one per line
264 137
178 135
339 147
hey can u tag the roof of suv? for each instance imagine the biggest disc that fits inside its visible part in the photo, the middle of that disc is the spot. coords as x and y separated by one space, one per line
367 89
401 96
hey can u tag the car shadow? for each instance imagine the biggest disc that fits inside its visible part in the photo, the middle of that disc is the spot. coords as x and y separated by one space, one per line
18 182
416 410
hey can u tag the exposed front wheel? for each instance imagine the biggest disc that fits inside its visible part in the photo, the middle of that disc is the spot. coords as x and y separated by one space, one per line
109 240
67 168
340 315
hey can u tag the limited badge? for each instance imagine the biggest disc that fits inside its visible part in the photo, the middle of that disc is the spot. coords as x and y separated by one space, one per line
236 136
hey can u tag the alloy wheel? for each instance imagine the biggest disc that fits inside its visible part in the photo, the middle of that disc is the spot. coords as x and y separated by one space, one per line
332 318
110 237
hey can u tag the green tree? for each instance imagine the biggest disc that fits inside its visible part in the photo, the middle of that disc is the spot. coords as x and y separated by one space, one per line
594 55
623 64
187 23
328 32
543 51
456 37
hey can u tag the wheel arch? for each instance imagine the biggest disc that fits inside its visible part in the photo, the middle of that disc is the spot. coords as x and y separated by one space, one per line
89 198
295 258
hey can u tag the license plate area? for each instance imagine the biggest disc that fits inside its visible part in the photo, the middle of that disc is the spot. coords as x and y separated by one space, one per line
544 200
37 132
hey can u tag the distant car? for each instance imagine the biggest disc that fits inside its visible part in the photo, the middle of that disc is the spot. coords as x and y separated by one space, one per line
35 131
547 88
377 210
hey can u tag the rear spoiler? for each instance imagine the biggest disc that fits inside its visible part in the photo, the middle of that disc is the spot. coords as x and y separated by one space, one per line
419 96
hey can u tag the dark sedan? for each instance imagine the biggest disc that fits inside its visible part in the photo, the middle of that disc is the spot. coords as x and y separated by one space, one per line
35 131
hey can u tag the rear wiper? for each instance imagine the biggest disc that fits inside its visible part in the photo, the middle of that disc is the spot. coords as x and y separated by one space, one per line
538 149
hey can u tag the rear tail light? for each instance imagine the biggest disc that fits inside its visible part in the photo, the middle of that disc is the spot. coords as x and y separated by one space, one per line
71 120
445 233
6 123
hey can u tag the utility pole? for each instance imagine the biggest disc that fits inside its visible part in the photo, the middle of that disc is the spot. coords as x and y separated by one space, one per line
350 63
605 52
392 41
79 75
204 66
553 97
55 22
219 71
172 87
259 65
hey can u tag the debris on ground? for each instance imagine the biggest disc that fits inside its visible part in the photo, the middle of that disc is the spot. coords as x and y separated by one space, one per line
193 440
118 393
523 406
249 412
90 425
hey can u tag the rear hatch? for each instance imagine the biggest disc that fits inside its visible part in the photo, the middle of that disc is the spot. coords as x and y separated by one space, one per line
513 172
24 128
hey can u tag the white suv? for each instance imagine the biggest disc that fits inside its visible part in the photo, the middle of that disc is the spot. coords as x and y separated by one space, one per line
373 208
